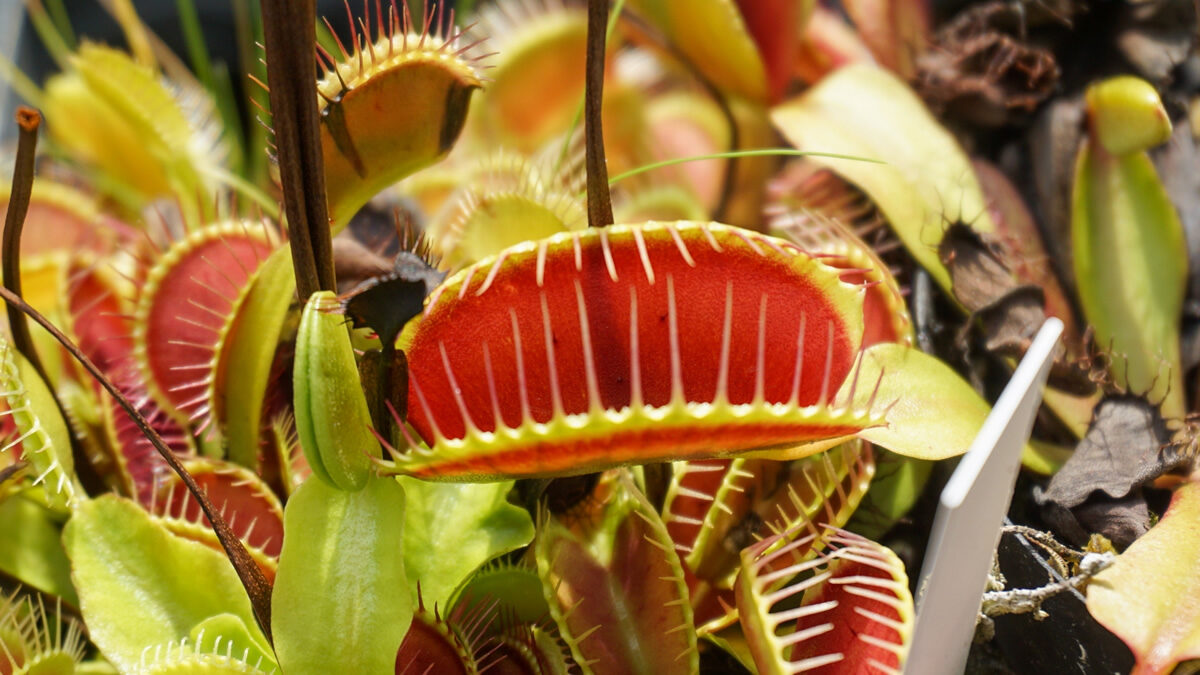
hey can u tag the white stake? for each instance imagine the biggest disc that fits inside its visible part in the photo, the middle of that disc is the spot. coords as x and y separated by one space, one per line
970 512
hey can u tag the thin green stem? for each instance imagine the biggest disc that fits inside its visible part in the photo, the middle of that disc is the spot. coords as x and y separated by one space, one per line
245 188
193 38
762 152
248 32
20 83
62 22
44 26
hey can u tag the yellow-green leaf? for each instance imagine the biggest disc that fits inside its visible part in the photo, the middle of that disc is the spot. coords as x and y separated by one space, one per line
42 432
713 36
139 585
341 602
1127 115
1131 269
1150 596
865 111
932 413
450 529
332 419
31 549
246 352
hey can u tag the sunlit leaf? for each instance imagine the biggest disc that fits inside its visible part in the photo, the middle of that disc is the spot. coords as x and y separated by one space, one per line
44 439
865 111
1150 596
342 602
450 529
932 413
1131 269
31 549
712 34
139 585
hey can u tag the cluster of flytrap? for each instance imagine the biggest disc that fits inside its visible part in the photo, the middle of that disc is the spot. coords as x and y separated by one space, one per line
715 391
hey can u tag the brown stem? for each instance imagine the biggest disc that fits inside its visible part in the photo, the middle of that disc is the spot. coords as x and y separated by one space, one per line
599 201
28 120
256 585
292 80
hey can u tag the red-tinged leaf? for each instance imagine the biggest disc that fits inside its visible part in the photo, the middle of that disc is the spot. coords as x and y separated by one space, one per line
896 31
713 608
828 43
183 307
432 645
100 317
690 496
1150 596
616 588
63 218
578 352
138 464
525 650
760 496
248 505
855 613
885 312
775 26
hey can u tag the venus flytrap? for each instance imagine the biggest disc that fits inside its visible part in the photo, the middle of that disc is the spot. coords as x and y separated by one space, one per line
422 77
553 351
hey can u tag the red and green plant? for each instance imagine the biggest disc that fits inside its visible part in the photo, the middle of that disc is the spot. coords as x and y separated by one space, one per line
454 385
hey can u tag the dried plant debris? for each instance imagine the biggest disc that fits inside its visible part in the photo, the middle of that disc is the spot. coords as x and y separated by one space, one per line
1178 163
1009 313
1099 490
982 71
1156 36
1053 142
977 271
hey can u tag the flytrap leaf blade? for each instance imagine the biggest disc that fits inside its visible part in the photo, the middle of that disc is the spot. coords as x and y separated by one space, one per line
394 104
332 419
854 615
342 573
450 529
1131 267
138 583
864 111
42 434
